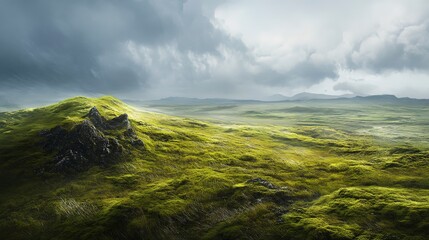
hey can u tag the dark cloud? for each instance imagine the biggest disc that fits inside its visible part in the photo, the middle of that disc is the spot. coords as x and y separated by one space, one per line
79 44
309 72
159 48
82 45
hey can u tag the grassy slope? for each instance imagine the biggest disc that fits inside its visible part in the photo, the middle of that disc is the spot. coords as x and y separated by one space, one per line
400 120
191 182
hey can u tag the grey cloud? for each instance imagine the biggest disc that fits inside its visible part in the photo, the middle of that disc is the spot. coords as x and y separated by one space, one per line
161 48
304 73
79 44
355 87
310 72
407 47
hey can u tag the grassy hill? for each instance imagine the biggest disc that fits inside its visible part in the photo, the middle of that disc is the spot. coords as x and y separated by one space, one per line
198 179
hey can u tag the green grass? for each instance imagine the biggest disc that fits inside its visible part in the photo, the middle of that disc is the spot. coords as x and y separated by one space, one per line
337 175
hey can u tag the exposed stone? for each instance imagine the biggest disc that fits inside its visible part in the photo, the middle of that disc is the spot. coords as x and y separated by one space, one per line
70 160
54 137
131 135
263 182
119 122
86 144
96 118
101 123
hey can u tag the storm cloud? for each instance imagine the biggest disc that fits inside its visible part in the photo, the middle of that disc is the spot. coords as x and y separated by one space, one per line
80 44
240 49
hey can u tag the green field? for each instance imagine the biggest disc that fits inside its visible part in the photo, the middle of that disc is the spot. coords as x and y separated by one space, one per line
332 169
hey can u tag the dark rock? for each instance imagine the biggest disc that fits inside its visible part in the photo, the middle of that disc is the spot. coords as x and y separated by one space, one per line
70 160
86 144
54 137
263 182
90 141
131 135
101 123
119 122
96 118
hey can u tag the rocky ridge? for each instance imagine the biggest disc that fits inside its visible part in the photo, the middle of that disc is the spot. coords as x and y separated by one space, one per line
87 143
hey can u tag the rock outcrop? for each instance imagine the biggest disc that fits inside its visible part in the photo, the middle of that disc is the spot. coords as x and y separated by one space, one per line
96 118
262 182
119 122
131 135
87 143
101 123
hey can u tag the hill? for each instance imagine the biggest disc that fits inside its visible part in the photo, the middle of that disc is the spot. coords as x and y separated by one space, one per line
200 101
301 97
88 168
307 96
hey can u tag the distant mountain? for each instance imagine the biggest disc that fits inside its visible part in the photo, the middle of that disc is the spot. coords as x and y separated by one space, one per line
307 96
273 98
380 97
304 96
316 96
199 101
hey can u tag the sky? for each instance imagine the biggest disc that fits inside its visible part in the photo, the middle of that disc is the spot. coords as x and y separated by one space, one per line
252 49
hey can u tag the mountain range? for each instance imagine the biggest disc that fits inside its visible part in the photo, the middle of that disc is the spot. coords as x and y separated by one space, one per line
307 96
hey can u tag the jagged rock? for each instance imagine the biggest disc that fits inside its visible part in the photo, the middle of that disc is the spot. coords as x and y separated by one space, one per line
70 160
89 139
53 138
119 122
96 118
132 136
86 144
101 123
263 182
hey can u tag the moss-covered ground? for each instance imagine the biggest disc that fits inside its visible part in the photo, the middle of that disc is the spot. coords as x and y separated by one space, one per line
353 172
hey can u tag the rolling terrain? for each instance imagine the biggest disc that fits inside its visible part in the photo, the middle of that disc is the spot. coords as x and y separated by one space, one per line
329 169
